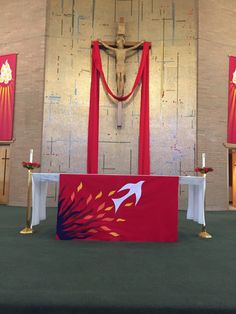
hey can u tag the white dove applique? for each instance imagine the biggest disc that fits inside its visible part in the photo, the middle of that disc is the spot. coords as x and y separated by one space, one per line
134 188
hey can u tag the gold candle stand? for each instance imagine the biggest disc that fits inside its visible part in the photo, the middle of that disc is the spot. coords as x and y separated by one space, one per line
28 229
203 233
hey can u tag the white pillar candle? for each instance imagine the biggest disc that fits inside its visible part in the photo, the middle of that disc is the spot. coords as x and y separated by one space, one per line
31 155
203 160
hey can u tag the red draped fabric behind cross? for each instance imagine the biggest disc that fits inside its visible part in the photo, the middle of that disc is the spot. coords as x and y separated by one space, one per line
232 101
7 94
93 127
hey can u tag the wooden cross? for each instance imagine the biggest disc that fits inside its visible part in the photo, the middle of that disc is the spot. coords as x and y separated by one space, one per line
5 158
121 51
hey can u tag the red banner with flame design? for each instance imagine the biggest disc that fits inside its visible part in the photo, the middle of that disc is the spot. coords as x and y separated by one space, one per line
7 95
117 208
232 101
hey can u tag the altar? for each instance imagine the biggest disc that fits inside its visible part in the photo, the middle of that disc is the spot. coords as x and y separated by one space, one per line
144 202
196 191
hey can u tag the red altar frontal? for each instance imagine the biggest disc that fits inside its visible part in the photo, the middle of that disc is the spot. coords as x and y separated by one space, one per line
118 208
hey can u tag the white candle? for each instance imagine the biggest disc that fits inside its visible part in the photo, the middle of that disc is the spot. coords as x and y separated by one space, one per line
203 160
31 155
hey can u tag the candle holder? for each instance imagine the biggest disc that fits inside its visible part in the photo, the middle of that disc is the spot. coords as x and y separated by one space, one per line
203 233
30 166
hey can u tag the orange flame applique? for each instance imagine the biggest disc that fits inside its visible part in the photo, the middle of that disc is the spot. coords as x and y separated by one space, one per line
105 228
114 234
128 204
72 197
108 208
88 217
92 231
99 195
89 199
100 216
112 192
79 187
101 207
108 219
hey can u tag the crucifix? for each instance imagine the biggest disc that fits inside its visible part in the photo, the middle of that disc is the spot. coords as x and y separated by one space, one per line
121 51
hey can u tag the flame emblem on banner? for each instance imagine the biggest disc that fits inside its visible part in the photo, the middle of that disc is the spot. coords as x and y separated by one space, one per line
6 73
234 77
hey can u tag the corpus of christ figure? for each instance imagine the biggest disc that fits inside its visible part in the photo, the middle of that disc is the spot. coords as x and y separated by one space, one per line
121 54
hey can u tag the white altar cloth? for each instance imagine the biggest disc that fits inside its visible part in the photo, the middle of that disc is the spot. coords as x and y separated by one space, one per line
196 194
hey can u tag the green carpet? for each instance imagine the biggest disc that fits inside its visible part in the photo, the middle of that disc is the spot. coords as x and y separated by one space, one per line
41 275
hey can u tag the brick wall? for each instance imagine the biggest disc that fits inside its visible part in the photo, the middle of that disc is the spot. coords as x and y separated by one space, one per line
216 41
22 27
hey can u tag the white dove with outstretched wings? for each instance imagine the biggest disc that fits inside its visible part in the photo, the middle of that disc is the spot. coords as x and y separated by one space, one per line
134 188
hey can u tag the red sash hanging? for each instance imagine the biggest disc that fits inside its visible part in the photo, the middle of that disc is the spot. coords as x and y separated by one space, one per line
93 126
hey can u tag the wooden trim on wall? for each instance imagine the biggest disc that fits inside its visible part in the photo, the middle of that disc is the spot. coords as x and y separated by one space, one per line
7 142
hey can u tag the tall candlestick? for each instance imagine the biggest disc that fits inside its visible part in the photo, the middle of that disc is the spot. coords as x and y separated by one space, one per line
31 155
203 160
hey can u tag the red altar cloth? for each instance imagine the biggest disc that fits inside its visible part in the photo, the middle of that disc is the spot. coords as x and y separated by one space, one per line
117 208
